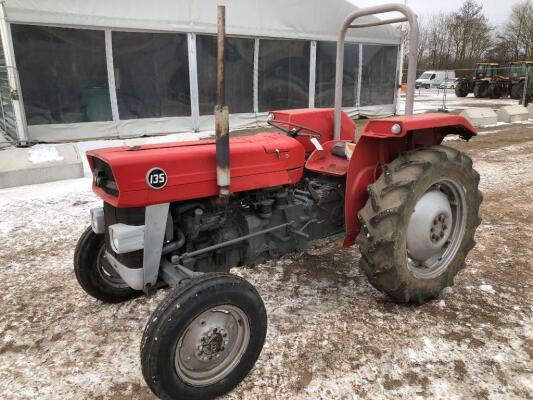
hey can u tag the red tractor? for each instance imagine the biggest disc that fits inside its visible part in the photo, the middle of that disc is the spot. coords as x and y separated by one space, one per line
183 214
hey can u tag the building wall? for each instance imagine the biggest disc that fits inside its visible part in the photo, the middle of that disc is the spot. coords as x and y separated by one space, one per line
87 83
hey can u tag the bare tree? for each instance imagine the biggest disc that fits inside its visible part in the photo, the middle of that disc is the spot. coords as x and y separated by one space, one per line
518 31
456 39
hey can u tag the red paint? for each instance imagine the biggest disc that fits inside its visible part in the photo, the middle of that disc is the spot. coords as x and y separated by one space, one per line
451 124
319 119
191 168
324 162
269 159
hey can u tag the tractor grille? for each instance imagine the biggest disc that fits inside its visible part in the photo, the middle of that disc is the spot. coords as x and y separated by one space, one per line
128 216
103 177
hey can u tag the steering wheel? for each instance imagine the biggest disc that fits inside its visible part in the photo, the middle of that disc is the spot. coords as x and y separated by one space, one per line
296 129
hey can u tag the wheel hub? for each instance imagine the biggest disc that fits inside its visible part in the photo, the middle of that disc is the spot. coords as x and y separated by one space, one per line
440 228
212 345
436 228
429 226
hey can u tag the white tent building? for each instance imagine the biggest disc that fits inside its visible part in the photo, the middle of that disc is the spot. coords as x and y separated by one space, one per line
100 69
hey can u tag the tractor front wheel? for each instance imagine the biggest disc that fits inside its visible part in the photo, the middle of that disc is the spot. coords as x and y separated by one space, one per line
419 223
95 275
461 89
204 338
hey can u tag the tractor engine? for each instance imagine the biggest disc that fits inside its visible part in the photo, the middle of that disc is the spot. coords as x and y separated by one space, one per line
253 227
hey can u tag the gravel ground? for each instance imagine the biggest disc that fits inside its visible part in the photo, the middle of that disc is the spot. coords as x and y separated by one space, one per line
331 335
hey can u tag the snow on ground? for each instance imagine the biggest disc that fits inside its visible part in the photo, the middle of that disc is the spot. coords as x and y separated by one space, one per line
331 335
435 99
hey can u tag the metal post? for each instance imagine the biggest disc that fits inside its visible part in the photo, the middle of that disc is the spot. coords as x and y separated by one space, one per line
111 76
13 79
222 113
312 73
410 17
526 84
193 81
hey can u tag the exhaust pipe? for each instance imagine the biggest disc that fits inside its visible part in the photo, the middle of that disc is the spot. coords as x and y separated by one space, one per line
222 114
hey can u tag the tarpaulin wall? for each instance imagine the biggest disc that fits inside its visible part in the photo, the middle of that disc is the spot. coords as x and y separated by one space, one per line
118 70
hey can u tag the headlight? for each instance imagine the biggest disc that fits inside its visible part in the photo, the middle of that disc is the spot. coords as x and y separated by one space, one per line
126 238
271 117
396 129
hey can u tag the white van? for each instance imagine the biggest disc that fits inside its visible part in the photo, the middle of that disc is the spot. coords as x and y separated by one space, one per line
431 79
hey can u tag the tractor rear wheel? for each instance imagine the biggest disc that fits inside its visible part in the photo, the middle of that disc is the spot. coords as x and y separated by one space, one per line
419 223
461 89
204 338
494 91
517 91
481 90
95 275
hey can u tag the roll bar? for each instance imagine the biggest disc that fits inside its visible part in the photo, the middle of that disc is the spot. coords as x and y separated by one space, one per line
409 16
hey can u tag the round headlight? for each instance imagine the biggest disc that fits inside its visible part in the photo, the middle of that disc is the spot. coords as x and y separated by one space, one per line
270 117
396 129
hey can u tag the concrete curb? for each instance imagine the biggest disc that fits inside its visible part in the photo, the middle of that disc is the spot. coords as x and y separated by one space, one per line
530 110
480 116
39 164
510 114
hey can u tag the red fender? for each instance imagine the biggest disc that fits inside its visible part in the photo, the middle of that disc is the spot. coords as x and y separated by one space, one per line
379 146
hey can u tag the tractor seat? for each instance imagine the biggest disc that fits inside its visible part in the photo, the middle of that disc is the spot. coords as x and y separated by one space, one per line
339 150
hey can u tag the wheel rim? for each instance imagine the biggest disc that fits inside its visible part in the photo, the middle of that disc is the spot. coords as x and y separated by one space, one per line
212 345
436 229
106 272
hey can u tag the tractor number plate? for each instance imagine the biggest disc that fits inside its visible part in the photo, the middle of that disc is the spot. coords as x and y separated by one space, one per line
156 178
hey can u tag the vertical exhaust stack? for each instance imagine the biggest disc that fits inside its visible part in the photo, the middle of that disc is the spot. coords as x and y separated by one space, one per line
222 113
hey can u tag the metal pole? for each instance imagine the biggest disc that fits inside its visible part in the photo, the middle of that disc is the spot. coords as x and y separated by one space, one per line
412 57
222 113
526 84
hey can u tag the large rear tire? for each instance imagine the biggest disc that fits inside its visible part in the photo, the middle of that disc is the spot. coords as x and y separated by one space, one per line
204 338
517 91
494 91
481 90
95 275
419 223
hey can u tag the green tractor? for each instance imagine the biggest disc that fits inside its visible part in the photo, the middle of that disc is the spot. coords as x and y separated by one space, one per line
518 72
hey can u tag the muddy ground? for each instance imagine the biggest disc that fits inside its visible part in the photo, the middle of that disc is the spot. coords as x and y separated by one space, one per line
331 335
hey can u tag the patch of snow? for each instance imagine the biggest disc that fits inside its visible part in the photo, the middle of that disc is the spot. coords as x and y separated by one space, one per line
487 289
44 154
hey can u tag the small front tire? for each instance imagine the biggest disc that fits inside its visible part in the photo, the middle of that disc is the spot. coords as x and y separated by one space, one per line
204 338
95 275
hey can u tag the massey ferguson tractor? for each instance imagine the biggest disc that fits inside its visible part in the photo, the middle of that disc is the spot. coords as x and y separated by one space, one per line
182 214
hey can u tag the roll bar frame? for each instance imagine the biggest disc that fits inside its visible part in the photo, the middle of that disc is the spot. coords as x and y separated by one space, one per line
409 16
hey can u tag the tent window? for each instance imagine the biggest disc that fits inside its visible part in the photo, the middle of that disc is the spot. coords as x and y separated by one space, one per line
325 74
379 75
63 74
151 74
239 74
283 74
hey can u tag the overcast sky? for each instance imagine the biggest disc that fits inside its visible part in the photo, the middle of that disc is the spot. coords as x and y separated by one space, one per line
496 10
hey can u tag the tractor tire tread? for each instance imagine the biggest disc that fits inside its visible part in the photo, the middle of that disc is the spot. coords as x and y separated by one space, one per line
383 216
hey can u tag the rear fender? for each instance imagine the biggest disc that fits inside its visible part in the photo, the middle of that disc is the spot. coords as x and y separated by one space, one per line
378 146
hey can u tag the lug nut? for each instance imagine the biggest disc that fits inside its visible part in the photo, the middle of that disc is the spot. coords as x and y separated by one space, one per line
442 234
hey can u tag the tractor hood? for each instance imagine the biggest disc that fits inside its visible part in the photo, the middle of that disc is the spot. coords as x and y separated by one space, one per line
138 176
